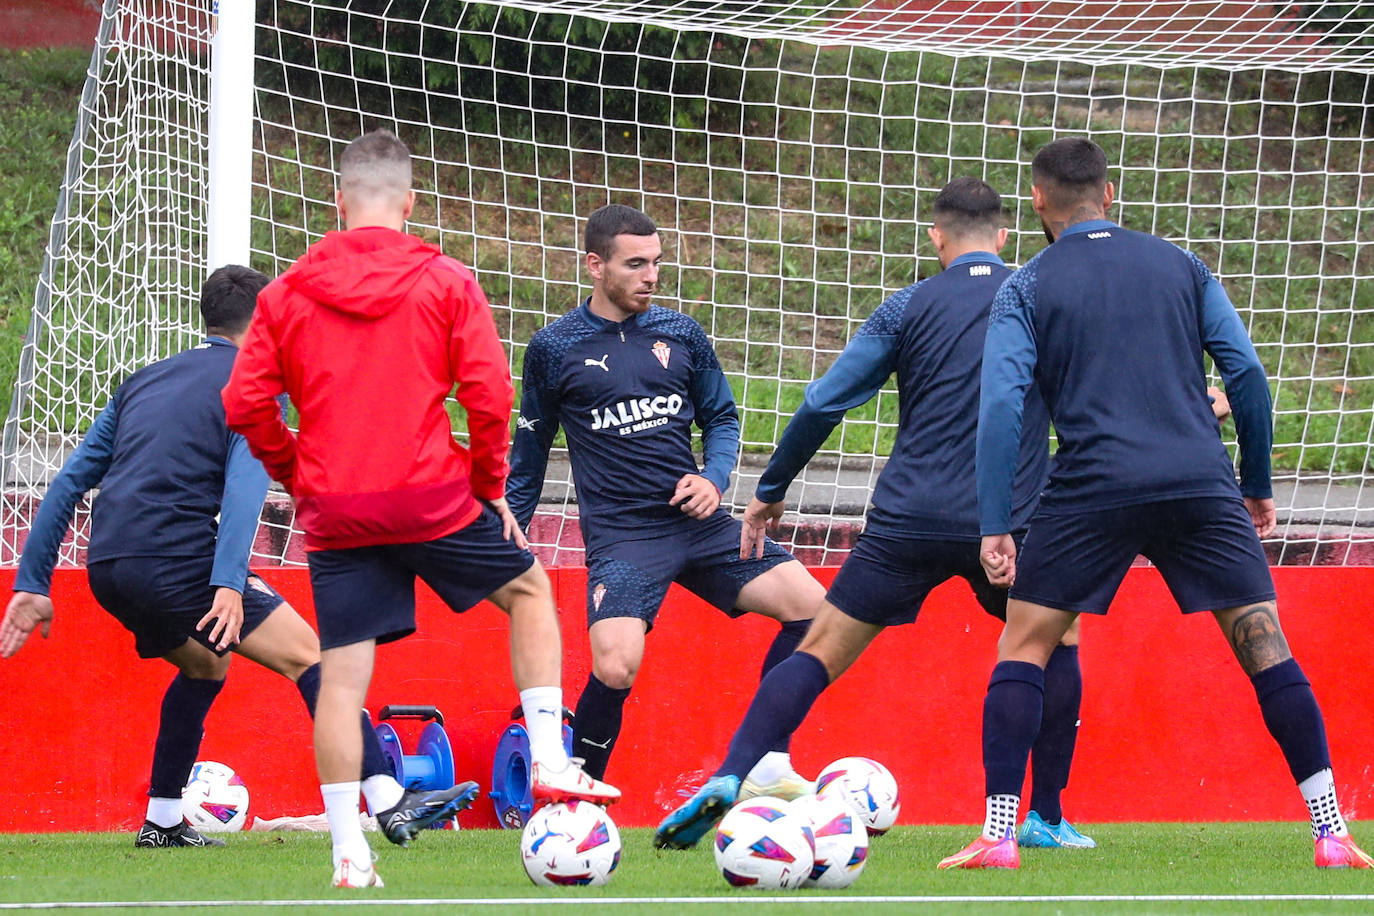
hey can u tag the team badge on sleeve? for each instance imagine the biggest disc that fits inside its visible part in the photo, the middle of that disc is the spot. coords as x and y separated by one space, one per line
662 351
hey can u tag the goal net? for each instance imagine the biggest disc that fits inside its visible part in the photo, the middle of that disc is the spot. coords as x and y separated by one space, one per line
790 151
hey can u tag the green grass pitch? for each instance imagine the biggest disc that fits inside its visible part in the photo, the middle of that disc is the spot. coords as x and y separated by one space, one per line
1138 868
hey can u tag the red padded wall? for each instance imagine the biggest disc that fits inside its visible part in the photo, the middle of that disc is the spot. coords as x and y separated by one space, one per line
1170 727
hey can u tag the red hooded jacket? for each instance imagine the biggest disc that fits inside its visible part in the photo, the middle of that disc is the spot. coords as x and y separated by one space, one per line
368 333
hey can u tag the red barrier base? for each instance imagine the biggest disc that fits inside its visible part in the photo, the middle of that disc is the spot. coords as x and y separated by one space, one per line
1170 727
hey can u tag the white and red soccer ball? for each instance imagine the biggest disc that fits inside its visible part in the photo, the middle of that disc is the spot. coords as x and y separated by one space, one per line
866 787
762 843
215 800
568 844
840 838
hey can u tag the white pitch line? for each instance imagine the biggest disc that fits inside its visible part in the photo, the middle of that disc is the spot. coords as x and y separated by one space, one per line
679 901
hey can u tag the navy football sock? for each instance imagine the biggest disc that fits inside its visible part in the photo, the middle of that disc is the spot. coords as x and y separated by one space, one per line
309 686
779 707
1011 720
1052 753
184 707
784 644
1291 713
375 760
596 724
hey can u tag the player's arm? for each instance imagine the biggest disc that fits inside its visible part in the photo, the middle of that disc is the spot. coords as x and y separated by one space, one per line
535 431
251 408
245 488
857 374
1009 356
479 365
1247 390
698 495
31 607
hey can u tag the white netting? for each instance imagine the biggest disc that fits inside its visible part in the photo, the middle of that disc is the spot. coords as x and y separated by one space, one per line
789 151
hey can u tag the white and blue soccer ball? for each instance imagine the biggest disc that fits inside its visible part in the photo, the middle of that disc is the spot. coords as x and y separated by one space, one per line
569 844
868 789
762 843
840 837
215 800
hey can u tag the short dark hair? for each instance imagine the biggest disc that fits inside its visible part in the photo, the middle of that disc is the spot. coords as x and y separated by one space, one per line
375 163
1069 170
611 220
228 297
968 205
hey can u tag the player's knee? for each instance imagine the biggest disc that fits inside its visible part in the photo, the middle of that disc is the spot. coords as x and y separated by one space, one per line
206 667
616 672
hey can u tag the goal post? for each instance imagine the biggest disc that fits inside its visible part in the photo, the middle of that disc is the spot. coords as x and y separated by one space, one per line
790 151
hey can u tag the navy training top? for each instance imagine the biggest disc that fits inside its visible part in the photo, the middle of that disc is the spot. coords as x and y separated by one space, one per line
627 394
166 465
930 334
1111 325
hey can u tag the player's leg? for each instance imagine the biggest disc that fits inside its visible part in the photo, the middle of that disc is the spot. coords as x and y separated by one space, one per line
789 594
1068 564
1210 557
536 664
626 584
160 601
345 674
617 646
883 582
781 703
1012 712
1294 719
279 639
363 597
181 724
1052 752
774 586
476 563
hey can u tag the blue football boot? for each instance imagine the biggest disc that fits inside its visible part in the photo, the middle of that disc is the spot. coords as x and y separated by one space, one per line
1038 834
688 824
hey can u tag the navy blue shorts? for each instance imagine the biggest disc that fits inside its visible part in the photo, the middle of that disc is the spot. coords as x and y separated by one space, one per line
885 580
1205 548
631 578
369 592
161 599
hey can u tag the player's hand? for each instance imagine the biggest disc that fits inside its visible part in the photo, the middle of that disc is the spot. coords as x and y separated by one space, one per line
998 556
1221 405
26 611
1263 515
696 496
759 519
510 528
227 613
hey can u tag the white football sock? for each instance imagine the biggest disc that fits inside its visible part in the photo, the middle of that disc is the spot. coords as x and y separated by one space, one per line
165 812
382 792
543 708
1001 819
341 807
771 767
1319 792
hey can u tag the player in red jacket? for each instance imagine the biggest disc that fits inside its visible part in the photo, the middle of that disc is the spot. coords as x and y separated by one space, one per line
368 333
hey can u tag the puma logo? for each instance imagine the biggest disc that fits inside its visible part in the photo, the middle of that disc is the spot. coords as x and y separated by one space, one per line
598 362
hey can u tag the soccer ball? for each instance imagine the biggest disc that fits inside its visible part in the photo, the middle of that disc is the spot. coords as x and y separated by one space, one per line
866 787
761 843
215 800
841 841
570 843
